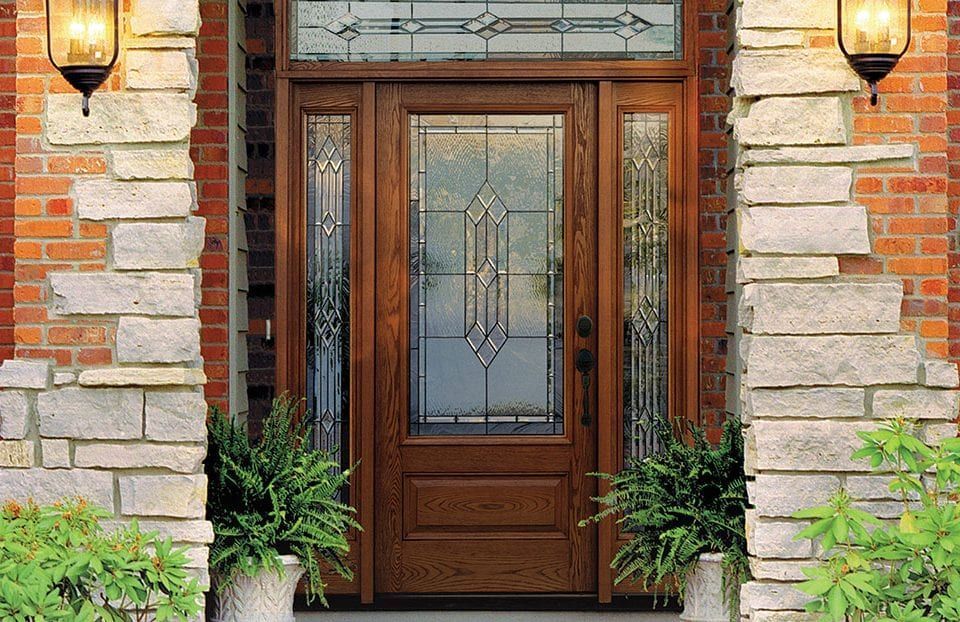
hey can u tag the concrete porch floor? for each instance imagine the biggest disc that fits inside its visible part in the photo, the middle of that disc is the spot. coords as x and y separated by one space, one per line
480 616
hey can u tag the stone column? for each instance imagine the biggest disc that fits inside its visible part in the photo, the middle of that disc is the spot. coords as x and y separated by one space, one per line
823 355
105 400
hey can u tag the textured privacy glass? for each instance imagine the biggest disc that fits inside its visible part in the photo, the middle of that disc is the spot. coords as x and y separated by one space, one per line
328 281
437 30
486 269
645 304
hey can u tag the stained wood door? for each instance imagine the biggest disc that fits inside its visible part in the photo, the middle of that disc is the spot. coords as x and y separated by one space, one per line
485 433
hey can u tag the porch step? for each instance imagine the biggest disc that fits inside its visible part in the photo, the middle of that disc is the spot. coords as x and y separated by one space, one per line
480 616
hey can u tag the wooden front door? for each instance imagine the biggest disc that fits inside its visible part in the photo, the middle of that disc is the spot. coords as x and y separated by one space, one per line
486 261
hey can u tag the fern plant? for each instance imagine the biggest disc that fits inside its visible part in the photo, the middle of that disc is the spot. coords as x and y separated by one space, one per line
684 501
274 497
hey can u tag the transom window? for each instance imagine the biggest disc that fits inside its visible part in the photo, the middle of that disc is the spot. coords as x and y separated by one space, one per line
369 30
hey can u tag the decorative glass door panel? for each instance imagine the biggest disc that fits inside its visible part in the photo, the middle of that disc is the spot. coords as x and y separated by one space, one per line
486 274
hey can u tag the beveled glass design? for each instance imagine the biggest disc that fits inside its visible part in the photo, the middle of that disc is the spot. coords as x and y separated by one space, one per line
645 273
486 274
328 280
368 30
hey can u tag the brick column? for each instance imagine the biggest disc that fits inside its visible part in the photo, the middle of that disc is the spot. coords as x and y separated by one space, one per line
825 353
105 398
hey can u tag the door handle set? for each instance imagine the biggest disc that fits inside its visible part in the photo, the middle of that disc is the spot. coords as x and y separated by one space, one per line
585 363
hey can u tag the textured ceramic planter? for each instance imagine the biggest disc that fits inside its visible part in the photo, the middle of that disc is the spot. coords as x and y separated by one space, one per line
704 600
267 597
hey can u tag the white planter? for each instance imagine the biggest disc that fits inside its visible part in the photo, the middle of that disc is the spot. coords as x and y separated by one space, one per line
267 597
704 600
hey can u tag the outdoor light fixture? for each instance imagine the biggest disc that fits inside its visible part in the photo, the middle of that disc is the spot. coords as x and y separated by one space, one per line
873 35
83 41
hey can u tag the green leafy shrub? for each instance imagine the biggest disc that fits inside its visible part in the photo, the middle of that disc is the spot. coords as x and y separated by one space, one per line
58 563
274 497
904 570
686 500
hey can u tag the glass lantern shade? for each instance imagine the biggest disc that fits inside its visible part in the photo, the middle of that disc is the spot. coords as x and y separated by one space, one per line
873 35
83 41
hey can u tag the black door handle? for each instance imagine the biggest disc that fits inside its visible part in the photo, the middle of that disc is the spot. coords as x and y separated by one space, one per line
585 364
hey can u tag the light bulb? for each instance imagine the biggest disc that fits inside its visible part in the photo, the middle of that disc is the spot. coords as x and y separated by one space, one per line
883 17
862 19
77 30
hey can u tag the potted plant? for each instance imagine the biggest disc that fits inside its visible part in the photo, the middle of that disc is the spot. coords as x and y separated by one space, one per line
684 510
891 570
276 513
58 563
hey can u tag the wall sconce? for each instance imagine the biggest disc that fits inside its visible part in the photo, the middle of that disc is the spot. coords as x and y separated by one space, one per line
873 35
83 41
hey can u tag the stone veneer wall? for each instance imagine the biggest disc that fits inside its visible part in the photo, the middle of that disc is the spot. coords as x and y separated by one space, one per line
821 354
105 397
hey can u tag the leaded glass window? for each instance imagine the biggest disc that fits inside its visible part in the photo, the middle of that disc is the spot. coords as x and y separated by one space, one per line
328 280
645 308
367 30
486 274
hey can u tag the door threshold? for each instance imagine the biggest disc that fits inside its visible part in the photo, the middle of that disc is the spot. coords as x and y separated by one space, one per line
664 604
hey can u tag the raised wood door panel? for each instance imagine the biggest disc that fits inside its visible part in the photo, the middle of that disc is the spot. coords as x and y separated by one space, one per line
496 511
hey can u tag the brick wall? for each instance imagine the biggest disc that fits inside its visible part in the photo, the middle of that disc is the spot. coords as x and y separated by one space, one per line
8 54
953 164
208 150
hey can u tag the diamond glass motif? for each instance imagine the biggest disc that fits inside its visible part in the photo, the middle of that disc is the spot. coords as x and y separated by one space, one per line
646 253
328 283
486 278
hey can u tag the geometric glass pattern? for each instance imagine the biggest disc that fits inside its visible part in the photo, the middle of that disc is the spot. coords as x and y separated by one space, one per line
370 30
486 274
646 252
328 282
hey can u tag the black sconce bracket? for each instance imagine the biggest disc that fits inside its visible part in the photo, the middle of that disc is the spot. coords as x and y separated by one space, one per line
873 68
85 79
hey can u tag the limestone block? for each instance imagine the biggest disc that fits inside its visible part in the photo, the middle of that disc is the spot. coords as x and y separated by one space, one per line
810 230
871 488
810 445
796 184
146 246
819 403
16 454
777 268
49 486
916 404
16 414
142 377
175 416
792 121
180 496
155 164
850 154
782 495
55 453
941 374
120 117
860 360
177 458
775 539
73 412
769 39
783 616
935 433
115 294
22 374
145 340
61 378
813 14
802 309
104 199
791 72
777 570
181 531
159 69
165 17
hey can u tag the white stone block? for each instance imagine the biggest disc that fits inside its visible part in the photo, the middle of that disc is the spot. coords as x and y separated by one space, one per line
55 453
165 17
791 72
149 246
181 531
180 496
119 117
77 293
61 378
156 164
775 539
848 154
23 374
796 184
818 403
175 416
809 445
810 14
824 308
159 69
104 199
860 360
16 454
781 268
91 413
792 121
49 486
811 230
915 404
778 570
761 39
16 414
177 458
146 340
941 374
780 616
783 495
142 377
